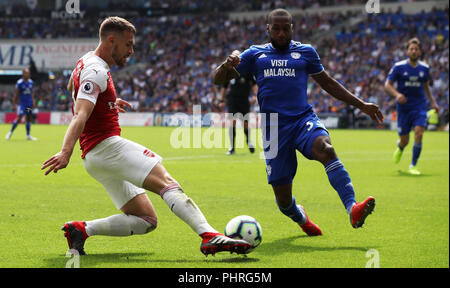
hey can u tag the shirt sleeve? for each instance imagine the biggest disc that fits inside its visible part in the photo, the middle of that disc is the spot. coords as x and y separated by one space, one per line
393 74
93 81
246 65
314 65
89 91
97 75
427 75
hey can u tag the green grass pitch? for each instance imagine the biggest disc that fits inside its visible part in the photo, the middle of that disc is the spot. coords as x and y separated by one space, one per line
409 227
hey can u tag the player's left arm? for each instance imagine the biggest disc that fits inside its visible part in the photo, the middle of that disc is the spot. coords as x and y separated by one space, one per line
335 89
15 99
33 99
255 92
70 84
427 88
255 88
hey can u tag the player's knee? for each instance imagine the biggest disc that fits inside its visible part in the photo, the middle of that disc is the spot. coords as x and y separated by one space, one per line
329 152
158 180
151 223
418 136
167 180
404 142
323 151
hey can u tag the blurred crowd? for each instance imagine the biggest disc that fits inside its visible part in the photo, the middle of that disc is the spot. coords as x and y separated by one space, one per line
177 54
361 56
21 8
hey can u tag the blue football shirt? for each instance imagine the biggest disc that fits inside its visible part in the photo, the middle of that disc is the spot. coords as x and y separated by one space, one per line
25 88
281 76
410 82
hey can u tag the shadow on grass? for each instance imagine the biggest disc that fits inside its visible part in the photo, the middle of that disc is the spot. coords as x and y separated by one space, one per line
285 245
92 259
122 259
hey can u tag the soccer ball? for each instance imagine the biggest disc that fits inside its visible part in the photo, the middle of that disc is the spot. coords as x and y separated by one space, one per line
245 228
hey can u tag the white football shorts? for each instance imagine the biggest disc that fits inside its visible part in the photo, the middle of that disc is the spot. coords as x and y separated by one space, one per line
121 166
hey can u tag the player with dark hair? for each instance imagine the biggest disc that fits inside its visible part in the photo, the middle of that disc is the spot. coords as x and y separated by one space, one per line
24 98
237 92
124 168
413 89
281 69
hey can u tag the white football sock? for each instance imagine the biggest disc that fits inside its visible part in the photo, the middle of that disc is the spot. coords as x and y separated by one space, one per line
120 225
185 208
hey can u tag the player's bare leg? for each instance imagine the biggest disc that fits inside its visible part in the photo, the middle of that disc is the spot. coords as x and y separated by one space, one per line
417 149
418 133
283 194
323 151
286 204
402 142
13 127
28 120
160 182
139 218
139 206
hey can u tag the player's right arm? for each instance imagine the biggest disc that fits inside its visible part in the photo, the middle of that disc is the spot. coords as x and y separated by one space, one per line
393 76
92 84
82 111
390 89
15 99
226 71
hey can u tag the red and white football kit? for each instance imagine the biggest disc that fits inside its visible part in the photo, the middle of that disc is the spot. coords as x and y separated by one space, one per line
120 165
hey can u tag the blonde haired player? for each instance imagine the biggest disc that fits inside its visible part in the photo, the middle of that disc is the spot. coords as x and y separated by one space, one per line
126 169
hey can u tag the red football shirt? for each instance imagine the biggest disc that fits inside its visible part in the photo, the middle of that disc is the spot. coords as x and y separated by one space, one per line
92 81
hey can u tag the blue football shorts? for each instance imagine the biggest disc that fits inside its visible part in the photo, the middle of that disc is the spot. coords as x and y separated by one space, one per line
298 135
25 108
407 120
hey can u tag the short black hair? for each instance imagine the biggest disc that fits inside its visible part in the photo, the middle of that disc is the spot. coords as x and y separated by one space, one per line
279 12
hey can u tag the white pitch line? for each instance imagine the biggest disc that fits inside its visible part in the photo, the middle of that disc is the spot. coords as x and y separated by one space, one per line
437 157
21 165
188 157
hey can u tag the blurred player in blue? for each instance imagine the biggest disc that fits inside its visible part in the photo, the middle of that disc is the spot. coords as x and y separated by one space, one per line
413 84
24 96
281 69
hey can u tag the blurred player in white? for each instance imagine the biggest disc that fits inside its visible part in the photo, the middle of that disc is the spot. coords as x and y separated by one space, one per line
125 169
